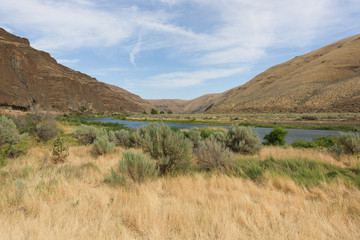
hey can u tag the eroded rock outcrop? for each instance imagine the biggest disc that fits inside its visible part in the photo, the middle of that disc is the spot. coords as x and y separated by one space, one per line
29 76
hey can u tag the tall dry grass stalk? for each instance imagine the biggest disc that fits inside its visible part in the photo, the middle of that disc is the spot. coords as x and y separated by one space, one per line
39 200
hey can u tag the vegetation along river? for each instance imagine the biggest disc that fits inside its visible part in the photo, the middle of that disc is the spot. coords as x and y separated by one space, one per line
306 134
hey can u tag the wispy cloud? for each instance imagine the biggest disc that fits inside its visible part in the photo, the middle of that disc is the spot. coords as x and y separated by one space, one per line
135 51
219 36
188 79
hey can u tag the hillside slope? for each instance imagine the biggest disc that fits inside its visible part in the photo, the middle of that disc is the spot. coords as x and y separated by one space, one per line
325 80
29 76
200 104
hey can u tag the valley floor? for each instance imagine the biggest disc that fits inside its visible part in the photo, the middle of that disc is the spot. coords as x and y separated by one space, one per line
336 121
40 200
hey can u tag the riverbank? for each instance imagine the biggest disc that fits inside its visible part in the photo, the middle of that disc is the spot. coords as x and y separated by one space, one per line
316 121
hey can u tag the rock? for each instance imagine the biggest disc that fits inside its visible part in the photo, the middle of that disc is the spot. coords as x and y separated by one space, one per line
29 76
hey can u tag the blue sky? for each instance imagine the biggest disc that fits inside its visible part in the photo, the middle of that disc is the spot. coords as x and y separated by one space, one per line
178 49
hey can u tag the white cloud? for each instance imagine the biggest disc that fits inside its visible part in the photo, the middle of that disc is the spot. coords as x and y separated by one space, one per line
188 79
240 31
135 51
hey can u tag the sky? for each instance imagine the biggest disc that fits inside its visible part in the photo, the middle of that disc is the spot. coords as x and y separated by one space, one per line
178 49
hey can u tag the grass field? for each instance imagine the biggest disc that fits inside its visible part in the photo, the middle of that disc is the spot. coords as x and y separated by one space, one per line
40 200
278 193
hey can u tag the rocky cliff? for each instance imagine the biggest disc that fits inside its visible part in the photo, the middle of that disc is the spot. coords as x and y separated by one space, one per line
29 76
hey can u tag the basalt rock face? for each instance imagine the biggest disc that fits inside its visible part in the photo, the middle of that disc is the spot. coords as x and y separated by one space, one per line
29 76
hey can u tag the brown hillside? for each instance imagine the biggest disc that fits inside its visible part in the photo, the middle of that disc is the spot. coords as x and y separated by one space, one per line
197 105
325 80
29 76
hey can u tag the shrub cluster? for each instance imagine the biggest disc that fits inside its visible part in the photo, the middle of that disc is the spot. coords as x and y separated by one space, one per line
135 166
213 155
276 137
172 151
102 145
347 143
38 123
12 143
243 140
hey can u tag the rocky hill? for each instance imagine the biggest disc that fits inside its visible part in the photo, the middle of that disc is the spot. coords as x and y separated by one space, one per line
200 104
324 80
29 76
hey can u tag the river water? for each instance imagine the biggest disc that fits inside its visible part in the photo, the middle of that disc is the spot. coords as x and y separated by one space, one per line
306 134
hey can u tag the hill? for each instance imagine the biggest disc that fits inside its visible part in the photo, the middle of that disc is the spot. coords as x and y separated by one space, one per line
29 76
200 104
324 80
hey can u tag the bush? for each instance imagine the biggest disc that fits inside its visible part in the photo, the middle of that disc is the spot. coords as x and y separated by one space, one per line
195 137
85 134
325 142
115 179
102 145
276 137
138 167
122 137
213 155
301 143
348 143
318 142
220 137
172 151
243 140
154 111
59 151
9 136
38 123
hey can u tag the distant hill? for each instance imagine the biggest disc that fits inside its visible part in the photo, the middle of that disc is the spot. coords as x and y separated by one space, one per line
200 104
324 80
29 76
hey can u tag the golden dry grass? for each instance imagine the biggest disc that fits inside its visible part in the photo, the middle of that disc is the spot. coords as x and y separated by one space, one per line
309 154
70 201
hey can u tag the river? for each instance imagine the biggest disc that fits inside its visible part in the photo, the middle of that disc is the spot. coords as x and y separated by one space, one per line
306 134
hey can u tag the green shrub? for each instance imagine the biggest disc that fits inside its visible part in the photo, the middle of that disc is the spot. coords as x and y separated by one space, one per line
115 179
85 134
301 143
195 137
59 151
102 145
171 150
38 123
243 139
138 167
122 137
8 132
9 136
153 111
213 155
220 137
348 143
318 142
325 142
276 137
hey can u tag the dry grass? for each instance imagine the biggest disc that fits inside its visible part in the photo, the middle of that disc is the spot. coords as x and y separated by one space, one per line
309 154
70 201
